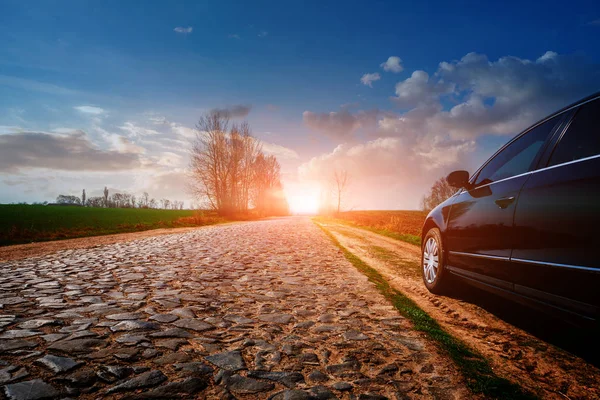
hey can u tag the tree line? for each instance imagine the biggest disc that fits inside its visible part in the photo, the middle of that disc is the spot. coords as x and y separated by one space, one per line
439 192
230 173
119 200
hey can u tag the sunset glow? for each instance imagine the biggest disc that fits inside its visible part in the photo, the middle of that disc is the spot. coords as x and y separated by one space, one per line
108 108
304 203
292 199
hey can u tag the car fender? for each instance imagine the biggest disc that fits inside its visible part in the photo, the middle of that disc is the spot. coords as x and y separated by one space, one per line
438 217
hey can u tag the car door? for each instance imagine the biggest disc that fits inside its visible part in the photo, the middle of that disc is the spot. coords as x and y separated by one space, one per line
479 233
557 220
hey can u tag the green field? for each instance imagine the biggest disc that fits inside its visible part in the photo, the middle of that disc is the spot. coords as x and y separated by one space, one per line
29 223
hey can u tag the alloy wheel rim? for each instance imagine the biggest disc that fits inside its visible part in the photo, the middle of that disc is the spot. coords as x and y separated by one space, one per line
430 260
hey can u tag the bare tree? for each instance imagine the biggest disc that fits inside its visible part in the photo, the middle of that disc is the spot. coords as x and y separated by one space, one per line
251 150
340 181
83 198
208 161
105 196
152 203
116 200
165 203
228 167
96 201
267 190
440 191
66 199
126 200
145 198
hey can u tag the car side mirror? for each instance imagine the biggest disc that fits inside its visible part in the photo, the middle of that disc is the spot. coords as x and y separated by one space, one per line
458 179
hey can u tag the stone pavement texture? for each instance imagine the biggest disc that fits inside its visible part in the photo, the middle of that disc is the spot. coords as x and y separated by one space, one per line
267 309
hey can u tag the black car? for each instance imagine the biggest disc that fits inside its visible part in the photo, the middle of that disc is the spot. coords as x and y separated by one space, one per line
527 223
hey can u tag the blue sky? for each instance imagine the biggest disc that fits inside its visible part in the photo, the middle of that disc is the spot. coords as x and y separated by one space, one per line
131 79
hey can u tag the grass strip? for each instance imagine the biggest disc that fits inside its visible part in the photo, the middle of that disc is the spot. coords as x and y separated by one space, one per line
397 263
475 368
405 237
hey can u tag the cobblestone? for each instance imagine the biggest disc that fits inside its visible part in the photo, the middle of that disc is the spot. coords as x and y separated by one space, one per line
267 309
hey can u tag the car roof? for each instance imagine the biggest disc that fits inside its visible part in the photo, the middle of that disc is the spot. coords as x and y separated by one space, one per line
564 109
572 105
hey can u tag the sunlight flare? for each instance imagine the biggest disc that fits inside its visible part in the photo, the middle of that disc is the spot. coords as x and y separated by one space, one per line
307 203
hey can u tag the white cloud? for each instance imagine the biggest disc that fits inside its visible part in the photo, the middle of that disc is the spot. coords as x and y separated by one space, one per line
158 120
9 129
419 89
263 34
415 147
165 143
376 157
183 30
183 131
507 95
233 36
169 159
69 152
172 184
368 79
123 144
339 125
90 110
137 131
279 151
548 56
387 171
393 64
63 130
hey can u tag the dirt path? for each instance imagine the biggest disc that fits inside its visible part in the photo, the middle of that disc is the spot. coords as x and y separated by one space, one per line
514 354
260 310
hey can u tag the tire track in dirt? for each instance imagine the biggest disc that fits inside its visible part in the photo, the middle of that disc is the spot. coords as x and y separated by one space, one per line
546 370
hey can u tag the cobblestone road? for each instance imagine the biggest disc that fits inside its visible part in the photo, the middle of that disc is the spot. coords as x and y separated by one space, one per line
267 309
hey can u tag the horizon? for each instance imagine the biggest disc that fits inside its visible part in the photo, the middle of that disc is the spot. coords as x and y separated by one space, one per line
96 95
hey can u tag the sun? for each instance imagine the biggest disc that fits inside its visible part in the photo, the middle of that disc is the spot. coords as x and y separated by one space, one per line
304 203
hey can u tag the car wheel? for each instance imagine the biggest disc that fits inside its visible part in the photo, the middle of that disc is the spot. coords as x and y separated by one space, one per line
432 262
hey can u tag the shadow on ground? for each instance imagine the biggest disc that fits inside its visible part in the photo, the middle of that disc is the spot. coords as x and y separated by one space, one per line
580 339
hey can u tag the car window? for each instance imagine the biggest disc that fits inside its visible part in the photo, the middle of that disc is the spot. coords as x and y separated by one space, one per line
519 156
582 138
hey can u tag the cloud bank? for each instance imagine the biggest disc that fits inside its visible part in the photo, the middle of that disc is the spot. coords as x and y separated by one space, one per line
339 125
442 116
69 152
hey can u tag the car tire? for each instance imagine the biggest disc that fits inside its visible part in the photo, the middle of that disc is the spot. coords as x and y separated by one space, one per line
435 277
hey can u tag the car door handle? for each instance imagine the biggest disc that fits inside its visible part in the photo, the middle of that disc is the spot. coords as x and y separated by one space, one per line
505 202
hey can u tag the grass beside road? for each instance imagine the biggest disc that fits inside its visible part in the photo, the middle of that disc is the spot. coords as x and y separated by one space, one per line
475 368
33 223
400 264
399 225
